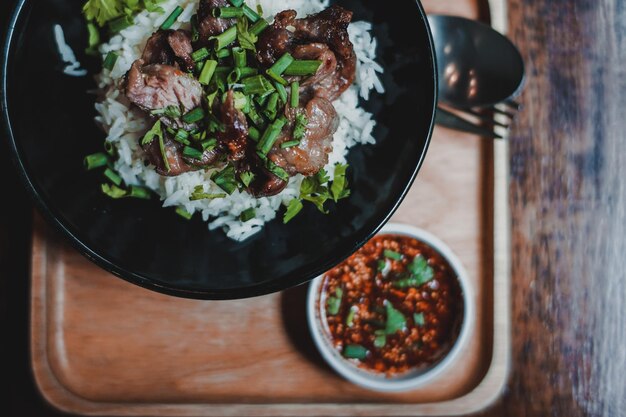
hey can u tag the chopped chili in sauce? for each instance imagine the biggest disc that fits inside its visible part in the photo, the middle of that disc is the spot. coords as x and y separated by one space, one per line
394 305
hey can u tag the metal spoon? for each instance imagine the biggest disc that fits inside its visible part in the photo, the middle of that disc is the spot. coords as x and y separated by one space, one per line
478 66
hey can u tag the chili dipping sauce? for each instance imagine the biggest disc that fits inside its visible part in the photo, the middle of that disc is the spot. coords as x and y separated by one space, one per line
395 305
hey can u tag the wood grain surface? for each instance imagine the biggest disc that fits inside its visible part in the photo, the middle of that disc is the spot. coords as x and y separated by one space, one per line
567 196
103 346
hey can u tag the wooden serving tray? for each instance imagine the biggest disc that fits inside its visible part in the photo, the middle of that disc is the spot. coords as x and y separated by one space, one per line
101 346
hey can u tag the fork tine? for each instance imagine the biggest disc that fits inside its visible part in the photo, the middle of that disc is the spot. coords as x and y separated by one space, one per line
451 120
485 118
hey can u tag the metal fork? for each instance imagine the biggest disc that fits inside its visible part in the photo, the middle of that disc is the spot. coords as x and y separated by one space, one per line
492 122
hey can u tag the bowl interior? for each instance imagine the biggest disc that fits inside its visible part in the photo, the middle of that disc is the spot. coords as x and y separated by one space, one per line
49 122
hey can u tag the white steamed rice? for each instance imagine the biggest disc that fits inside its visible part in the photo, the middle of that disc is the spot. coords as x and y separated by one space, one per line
125 126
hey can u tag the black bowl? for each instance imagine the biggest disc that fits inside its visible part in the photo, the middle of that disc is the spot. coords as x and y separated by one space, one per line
48 120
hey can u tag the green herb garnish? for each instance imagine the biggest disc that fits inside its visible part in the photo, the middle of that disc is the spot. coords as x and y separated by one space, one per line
247 215
339 188
419 273
300 126
355 352
419 319
225 179
395 319
182 212
350 317
333 303
294 207
380 340
392 255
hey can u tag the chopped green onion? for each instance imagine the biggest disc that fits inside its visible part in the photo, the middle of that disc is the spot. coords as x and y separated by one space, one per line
199 194
289 144
257 84
295 94
350 317
259 27
109 148
169 111
392 255
355 352
254 133
139 192
96 160
261 100
241 101
240 58
279 68
282 92
294 207
172 18
193 153
113 191
110 60
247 215
236 3
381 339
276 170
247 72
166 161
225 179
303 67
418 319
246 178
333 303
195 33
113 176
234 76
224 53
182 136
194 116
270 136
200 55
255 117
209 144
251 14
270 109
207 72
281 65
227 12
182 212
226 38
121 23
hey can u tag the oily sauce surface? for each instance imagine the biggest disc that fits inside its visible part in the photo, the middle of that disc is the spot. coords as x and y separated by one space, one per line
394 305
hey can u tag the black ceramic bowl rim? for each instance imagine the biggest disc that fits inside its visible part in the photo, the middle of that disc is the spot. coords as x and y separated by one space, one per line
53 217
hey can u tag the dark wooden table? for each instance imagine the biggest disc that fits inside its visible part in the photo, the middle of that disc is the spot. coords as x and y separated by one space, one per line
568 202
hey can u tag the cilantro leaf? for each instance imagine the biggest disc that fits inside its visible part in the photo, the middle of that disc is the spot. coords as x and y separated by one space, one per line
293 209
340 183
155 132
245 38
420 273
300 126
395 319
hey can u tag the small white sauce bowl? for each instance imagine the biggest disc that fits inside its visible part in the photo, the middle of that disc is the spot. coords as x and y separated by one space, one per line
412 379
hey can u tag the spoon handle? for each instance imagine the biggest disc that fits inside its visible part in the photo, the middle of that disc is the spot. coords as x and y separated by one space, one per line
452 121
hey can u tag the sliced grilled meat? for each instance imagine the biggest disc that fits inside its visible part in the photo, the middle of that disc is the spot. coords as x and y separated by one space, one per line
169 47
311 154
